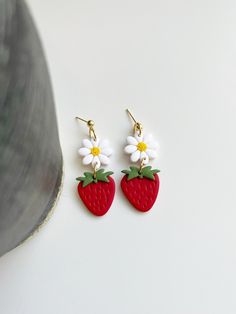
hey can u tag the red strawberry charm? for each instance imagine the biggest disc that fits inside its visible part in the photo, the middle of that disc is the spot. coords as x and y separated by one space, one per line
97 191
141 187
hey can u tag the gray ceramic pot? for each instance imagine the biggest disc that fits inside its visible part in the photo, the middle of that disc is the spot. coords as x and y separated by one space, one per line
30 154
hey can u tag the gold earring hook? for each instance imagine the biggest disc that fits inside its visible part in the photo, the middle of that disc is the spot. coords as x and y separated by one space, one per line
137 125
90 124
143 163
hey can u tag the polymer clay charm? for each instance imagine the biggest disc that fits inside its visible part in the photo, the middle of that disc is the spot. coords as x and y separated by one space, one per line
141 184
97 188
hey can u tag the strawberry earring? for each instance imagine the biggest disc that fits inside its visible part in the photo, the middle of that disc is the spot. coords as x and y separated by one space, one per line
141 184
96 189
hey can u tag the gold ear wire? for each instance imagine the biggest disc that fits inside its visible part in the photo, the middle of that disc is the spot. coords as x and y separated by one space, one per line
137 125
90 124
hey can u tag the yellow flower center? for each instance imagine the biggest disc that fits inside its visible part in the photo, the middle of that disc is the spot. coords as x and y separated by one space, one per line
142 146
95 151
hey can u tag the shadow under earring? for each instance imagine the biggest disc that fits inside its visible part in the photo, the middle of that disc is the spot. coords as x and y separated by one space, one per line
96 189
141 184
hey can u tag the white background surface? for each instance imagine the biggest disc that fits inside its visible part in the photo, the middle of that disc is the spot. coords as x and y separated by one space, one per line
174 64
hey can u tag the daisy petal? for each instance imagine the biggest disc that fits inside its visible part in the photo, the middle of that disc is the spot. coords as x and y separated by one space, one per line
132 140
144 157
96 162
84 151
87 159
151 153
135 156
106 151
87 143
129 149
104 159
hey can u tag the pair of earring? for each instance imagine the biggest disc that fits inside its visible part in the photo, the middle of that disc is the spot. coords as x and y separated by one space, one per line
140 184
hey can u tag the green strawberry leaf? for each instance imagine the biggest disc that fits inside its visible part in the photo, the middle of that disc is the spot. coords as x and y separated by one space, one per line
88 174
132 173
100 171
126 171
87 181
147 173
80 179
156 171
135 172
103 176
90 177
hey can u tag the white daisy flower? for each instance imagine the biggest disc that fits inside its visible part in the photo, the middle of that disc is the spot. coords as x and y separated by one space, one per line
95 152
141 148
